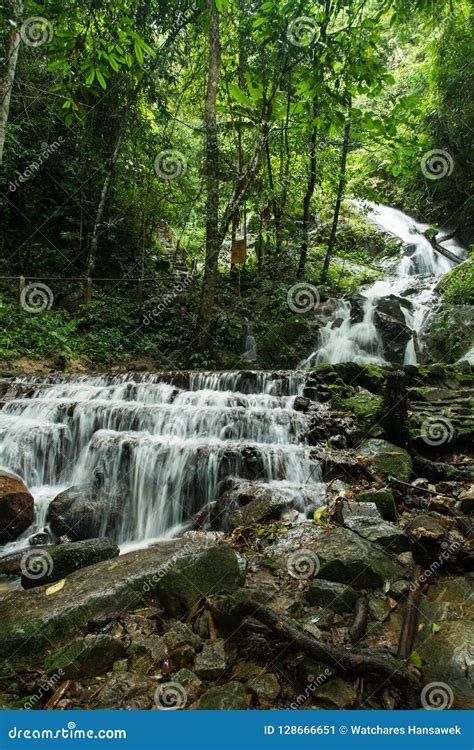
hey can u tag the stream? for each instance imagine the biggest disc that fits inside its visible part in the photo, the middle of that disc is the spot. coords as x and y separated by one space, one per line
151 450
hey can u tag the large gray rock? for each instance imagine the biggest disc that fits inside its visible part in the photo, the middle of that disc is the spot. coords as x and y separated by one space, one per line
78 513
215 570
16 507
30 621
66 558
347 558
384 501
228 697
388 459
448 657
335 596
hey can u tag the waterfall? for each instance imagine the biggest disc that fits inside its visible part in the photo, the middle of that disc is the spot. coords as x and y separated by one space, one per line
413 278
157 447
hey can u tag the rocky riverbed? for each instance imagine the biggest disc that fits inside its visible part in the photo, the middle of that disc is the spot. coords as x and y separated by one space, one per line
356 593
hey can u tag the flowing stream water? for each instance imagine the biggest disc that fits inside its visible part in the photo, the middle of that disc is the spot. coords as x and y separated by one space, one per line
157 452
412 279
154 449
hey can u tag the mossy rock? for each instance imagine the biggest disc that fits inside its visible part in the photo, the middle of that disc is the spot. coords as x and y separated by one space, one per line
87 657
216 570
365 407
345 557
229 697
66 558
384 501
388 459
371 377
450 334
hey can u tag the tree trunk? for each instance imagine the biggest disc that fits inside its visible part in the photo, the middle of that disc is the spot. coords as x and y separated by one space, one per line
307 199
6 83
340 195
92 256
212 183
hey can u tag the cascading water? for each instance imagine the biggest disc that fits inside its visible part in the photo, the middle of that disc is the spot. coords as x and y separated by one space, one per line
412 280
155 451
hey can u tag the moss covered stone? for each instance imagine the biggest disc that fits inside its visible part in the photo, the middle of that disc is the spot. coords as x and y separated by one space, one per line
229 697
216 570
66 558
384 501
388 459
347 558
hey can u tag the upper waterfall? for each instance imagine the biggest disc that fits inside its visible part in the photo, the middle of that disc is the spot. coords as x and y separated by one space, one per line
354 335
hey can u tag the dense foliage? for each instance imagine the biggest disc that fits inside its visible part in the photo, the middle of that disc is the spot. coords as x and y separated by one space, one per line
143 135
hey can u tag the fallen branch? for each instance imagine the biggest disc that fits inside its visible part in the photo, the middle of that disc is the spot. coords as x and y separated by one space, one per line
359 626
361 662
410 618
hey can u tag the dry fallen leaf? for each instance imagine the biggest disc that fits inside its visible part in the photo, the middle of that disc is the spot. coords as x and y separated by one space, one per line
57 587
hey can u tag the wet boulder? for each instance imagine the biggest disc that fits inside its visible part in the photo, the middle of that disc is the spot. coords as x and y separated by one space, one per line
395 336
447 656
79 513
16 507
66 558
335 596
384 501
343 556
215 570
388 459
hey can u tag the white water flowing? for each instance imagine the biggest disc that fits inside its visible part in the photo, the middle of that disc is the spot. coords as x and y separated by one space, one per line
157 451
413 278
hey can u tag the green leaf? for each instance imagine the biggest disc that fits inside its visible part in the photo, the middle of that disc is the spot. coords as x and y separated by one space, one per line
415 659
435 628
138 52
101 78
90 77
239 95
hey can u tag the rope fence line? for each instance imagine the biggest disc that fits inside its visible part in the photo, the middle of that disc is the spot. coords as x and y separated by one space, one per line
21 282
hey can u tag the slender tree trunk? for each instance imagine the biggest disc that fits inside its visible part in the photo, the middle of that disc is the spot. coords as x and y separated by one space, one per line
212 183
7 80
92 256
340 195
307 199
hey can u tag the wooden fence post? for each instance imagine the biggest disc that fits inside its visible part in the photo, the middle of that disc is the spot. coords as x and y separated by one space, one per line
88 290
21 284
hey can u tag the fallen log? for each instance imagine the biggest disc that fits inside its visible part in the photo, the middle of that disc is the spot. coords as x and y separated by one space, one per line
368 662
410 617
361 617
